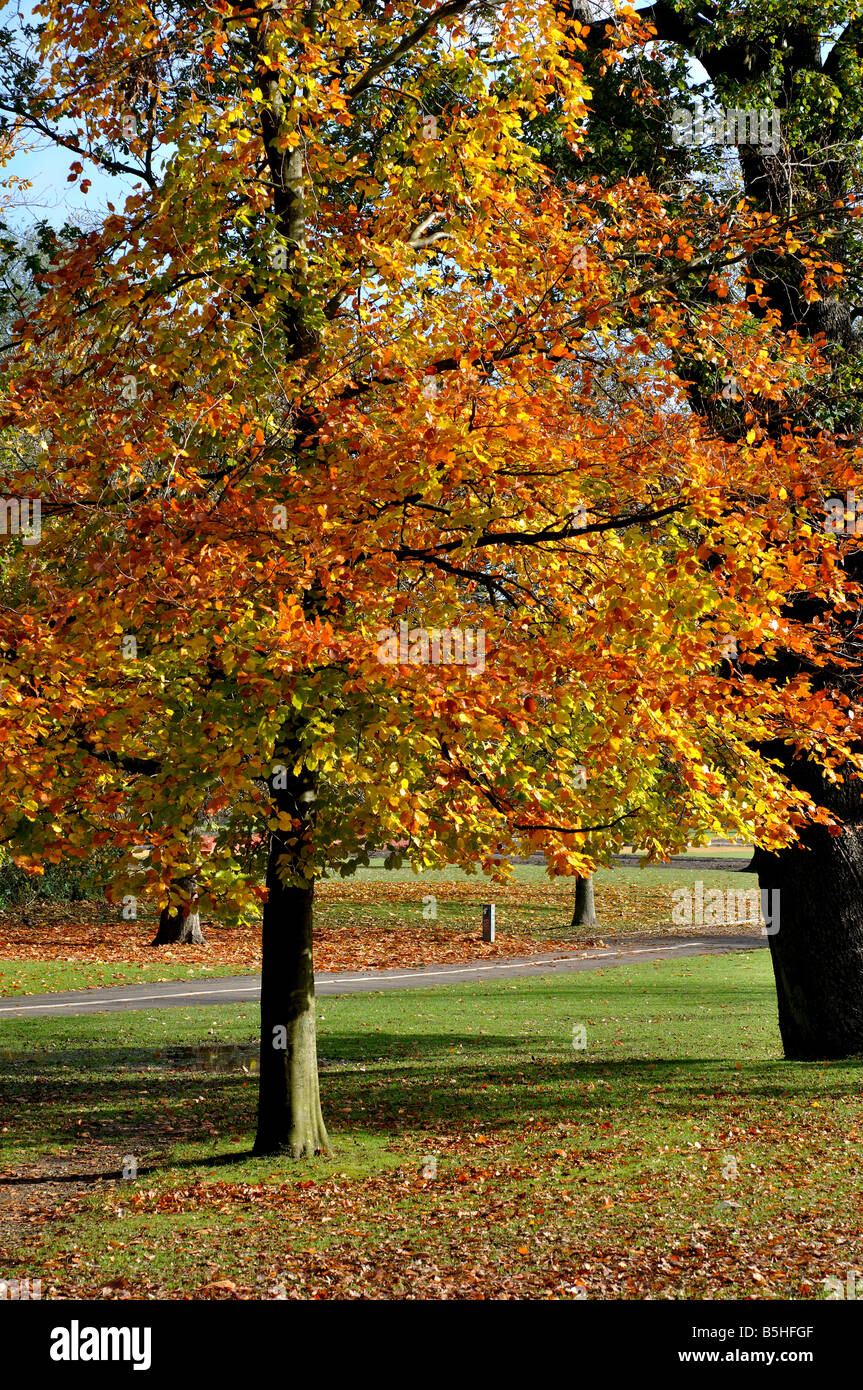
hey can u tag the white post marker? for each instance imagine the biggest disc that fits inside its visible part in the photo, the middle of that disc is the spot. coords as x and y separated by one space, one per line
488 921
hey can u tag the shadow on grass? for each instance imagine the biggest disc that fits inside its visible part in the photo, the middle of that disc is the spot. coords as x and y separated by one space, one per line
429 1082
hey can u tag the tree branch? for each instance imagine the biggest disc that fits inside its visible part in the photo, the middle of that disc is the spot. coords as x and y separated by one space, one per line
450 11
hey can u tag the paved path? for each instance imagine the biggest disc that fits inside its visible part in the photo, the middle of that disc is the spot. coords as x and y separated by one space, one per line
239 989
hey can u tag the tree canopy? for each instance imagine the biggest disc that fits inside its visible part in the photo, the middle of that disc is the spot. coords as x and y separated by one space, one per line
351 356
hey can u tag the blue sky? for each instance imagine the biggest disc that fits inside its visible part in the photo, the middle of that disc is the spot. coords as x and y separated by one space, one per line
51 197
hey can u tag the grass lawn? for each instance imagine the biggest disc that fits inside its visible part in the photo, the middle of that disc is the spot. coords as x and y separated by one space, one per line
376 918
676 1156
46 976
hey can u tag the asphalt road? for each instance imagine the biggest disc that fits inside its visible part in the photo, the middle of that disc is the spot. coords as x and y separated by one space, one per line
239 989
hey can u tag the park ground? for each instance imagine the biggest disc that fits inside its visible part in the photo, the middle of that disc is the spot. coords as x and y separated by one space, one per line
374 921
675 1155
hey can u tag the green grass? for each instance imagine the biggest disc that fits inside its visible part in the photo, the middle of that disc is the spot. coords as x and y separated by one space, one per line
616 877
559 1171
45 977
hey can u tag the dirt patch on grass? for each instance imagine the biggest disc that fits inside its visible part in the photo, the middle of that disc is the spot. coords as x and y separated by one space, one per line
48 1190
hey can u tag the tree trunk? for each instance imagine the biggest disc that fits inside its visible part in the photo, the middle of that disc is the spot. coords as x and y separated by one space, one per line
817 951
584 913
181 922
289 1106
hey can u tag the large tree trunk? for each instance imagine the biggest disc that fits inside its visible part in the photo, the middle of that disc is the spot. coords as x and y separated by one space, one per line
289 1106
181 923
817 951
584 912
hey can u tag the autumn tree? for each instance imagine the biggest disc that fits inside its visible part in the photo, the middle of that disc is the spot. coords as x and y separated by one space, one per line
369 516
803 62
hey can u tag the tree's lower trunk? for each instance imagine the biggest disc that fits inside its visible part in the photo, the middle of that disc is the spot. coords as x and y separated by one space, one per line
181 922
289 1106
817 951
584 913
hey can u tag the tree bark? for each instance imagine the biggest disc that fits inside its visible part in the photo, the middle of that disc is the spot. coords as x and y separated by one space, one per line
181 923
289 1106
584 912
817 951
